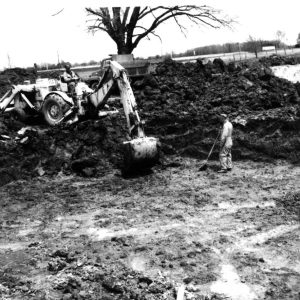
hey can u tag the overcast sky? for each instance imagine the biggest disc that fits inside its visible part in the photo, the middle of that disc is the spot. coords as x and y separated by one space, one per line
30 33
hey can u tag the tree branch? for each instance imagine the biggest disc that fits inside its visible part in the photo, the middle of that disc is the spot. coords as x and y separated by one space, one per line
125 16
57 12
156 35
122 30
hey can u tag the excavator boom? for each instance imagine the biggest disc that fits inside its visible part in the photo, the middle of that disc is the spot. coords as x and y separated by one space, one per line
140 151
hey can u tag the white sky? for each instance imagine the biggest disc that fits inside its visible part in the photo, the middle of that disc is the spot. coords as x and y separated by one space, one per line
29 32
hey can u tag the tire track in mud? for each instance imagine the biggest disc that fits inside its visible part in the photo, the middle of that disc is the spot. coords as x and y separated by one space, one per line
204 219
220 235
229 282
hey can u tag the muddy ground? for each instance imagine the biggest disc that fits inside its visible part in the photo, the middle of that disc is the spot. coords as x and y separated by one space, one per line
73 228
223 236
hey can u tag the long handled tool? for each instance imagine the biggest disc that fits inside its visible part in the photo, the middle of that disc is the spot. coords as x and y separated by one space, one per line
204 164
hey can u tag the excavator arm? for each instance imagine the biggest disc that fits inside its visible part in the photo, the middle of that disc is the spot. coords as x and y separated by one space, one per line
140 151
117 75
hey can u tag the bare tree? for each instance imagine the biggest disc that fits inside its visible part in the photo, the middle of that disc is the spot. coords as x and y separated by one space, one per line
127 27
253 45
280 36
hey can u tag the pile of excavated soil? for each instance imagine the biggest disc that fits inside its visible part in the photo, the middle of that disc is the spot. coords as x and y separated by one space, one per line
277 60
15 76
180 104
90 148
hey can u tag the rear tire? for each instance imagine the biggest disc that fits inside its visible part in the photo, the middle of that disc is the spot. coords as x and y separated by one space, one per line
54 108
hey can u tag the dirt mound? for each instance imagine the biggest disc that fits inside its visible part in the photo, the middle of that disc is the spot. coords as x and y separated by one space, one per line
277 60
89 148
180 105
182 102
15 76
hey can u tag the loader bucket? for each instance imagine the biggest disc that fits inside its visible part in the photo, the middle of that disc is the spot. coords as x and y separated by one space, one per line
140 153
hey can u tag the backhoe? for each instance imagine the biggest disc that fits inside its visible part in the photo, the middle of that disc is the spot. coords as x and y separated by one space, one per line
50 98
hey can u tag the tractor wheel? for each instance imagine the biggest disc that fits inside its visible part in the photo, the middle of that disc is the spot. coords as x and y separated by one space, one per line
54 108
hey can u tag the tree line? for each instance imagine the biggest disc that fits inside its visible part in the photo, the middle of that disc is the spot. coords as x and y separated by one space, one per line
251 45
60 64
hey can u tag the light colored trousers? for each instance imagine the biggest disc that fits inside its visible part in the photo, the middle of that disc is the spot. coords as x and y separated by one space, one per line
225 158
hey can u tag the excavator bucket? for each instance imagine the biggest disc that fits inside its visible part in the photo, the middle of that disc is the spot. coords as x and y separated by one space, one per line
140 153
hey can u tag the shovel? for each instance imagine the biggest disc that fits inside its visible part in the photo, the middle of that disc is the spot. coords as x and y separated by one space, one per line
204 164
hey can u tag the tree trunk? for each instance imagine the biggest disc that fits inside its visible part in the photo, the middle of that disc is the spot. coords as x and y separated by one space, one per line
124 49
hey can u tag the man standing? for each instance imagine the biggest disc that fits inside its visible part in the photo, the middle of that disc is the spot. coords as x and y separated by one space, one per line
225 145
70 77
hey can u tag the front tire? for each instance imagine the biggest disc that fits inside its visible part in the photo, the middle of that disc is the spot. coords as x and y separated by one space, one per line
54 108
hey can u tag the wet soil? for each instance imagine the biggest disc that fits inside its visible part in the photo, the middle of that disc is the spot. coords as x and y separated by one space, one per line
73 228
222 236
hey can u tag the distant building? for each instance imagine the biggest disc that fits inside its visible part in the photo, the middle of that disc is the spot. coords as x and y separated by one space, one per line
268 48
